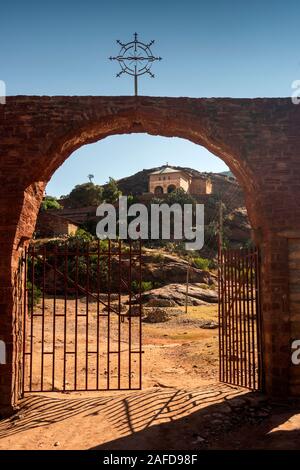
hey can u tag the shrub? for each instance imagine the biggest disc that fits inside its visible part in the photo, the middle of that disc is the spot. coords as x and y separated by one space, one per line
34 295
158 258
83 195
111 192
179 196
50 202
145 285
83 234
202 263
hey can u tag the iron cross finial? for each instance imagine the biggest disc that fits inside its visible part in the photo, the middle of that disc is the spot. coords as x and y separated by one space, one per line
135 58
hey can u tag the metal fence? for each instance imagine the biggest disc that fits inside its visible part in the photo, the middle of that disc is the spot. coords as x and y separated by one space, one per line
82 317
240 318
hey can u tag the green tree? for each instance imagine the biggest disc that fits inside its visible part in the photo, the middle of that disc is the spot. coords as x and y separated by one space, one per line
50 202
179 196
86 194
91 177
111 191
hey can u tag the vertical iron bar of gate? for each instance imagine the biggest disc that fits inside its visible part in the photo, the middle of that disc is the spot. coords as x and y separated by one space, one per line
258 323
43 318
140 309
236 292
220 303
224 322
31 315
245 316
119 311
221 312
244 320
232 307
76 316
24 320
87 316
229 315
108 313
240 318
98 314
65 313
248 320
240 313
54 319
233 316
252 318
236 325
225 318
129 314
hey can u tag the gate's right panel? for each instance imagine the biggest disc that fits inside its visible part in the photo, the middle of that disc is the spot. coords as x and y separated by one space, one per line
240 318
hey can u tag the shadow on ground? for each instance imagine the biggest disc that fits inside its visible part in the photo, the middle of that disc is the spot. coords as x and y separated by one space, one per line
216 416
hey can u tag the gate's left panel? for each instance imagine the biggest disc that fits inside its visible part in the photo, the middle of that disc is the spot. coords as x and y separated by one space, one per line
82 311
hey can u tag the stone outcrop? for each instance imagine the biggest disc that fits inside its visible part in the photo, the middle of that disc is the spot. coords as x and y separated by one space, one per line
166 269
238 226
175 294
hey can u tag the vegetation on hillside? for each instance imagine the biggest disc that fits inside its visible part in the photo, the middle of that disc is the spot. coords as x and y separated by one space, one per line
86 194
50 202
111 191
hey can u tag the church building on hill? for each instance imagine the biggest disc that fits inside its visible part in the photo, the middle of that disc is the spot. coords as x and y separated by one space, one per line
167 179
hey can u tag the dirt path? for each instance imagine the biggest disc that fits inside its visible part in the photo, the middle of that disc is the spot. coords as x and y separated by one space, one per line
86 422
181 406
175 353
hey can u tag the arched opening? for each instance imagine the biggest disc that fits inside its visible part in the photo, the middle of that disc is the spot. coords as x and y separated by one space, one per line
90 119
163 312
158 190
171 188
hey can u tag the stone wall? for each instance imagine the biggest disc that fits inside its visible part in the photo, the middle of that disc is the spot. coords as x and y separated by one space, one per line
200 186
54 225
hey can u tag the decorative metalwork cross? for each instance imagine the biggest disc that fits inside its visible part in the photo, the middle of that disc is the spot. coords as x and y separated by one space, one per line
135 59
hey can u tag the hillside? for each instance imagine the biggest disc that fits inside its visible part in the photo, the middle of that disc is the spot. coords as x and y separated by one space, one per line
227 173
137 183
224 187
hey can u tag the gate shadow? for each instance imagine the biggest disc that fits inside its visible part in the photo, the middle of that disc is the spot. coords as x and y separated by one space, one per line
128 413
155 419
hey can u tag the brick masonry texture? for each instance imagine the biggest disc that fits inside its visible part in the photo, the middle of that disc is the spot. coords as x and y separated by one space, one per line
259 139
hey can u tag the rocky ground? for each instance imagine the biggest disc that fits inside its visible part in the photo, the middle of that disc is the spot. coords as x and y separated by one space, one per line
175 294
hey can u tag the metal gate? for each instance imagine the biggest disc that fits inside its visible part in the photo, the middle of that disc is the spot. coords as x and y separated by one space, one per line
240 343
82 317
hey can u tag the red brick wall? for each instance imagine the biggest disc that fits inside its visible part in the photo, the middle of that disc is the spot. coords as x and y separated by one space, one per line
259 140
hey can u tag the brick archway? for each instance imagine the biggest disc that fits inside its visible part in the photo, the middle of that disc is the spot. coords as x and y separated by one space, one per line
258 139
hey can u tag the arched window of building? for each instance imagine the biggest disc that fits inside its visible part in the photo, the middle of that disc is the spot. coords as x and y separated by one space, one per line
171 188
158 191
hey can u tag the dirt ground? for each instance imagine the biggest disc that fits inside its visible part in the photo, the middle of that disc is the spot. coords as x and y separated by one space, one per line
170 350
181 406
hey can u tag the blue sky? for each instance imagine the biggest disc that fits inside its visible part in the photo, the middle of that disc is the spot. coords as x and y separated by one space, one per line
219 48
